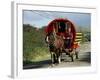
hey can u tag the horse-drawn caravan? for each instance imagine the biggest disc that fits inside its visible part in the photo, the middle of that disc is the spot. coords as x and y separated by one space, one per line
60 37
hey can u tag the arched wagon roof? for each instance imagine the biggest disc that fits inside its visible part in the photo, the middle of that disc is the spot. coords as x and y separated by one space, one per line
50 26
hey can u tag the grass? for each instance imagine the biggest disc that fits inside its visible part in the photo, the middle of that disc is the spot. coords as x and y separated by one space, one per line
34 46
38 54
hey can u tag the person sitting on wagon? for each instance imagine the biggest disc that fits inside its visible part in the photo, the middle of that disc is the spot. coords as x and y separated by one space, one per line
68 36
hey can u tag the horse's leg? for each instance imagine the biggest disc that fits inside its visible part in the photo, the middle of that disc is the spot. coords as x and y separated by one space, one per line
59 59
53 57
58 56
52 60
61 54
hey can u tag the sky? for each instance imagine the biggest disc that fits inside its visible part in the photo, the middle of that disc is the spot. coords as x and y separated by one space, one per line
43 18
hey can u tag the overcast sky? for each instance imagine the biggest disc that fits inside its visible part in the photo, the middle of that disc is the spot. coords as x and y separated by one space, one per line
42 18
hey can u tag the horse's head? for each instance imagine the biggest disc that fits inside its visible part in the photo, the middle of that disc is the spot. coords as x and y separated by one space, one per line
49 38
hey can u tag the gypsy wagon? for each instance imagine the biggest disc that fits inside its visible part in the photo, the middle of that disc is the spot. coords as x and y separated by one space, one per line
60 37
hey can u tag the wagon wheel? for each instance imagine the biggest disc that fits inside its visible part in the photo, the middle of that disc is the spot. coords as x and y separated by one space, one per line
76 53
71 55
72 58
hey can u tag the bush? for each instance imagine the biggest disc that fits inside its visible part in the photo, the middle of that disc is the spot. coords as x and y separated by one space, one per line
34 44
86 36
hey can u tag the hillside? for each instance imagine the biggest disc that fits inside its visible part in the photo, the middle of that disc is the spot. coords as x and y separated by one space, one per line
33 43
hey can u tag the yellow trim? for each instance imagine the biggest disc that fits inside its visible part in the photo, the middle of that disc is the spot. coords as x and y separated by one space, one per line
78 33
78 36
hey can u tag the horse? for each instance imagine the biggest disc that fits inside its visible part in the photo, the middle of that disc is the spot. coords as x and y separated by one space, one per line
56 48
56 45
59 46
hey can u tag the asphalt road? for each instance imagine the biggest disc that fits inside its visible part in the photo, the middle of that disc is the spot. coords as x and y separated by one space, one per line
84 60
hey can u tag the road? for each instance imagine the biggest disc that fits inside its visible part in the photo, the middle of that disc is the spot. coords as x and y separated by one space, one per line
84 60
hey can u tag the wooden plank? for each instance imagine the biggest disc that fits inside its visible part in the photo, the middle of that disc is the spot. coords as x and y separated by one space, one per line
78 36
75 42
78 39
78 33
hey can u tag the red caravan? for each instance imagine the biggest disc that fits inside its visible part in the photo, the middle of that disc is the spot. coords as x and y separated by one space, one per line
54 24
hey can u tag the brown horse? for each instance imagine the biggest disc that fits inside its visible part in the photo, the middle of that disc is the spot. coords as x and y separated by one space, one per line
59 46
56 45
56 48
